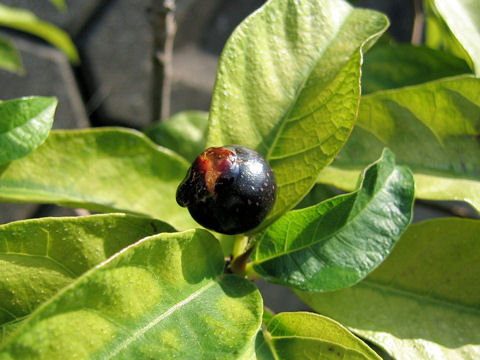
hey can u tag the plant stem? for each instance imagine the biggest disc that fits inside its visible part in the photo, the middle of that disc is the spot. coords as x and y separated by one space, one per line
418 22
250 273
239 246
164 28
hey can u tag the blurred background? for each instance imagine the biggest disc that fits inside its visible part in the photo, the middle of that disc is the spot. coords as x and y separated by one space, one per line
111 86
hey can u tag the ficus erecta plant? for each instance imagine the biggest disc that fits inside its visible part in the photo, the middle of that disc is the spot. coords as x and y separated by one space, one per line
143 280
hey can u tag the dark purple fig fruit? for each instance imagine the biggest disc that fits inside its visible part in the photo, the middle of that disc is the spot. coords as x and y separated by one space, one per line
228 189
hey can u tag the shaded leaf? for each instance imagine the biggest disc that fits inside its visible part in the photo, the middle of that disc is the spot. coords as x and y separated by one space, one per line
59 4
433 128
422 302
338 242
463 20
39 257
10 59
304 335
25 20
154 300
288 86
100 169
318 194
394 66
25 124
183 133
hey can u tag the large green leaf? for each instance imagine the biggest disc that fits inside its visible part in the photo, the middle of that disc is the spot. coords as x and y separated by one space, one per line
25 124
164 297
305 335
10 59
463 20
183 133
338 242
422 302
288 86
25 20
100 169
433 128
393 66
39 257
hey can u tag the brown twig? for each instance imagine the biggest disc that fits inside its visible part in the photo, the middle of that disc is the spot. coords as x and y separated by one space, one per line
162 19
418 22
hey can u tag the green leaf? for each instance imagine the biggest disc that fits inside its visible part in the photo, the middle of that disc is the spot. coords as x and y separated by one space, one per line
10 59
25 20
439 36
394 66
183 133
25 124
463 20
39 257
59 4
318 194
304 335
338 242
164 297
288 86
432 128
422 302
102 170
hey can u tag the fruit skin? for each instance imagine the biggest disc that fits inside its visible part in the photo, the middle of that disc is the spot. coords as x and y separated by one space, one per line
228 189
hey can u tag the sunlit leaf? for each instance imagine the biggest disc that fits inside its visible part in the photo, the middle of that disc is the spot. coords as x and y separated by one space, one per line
164 297
439 36
288 86
25 20
463 20
25 124
39 257
100 169
305 335
336 243
432 128
422 302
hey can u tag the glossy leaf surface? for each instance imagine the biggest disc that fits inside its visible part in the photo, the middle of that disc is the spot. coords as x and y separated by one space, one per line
10 59
394 66
25 20
25 124
463 20
304 335
39 257
422 302
338 242
432 128
288 86
164 297
183 133
100 169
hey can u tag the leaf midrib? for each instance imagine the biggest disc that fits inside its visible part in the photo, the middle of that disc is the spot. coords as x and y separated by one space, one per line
331 234
422 298
140 332
301 86
46 257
